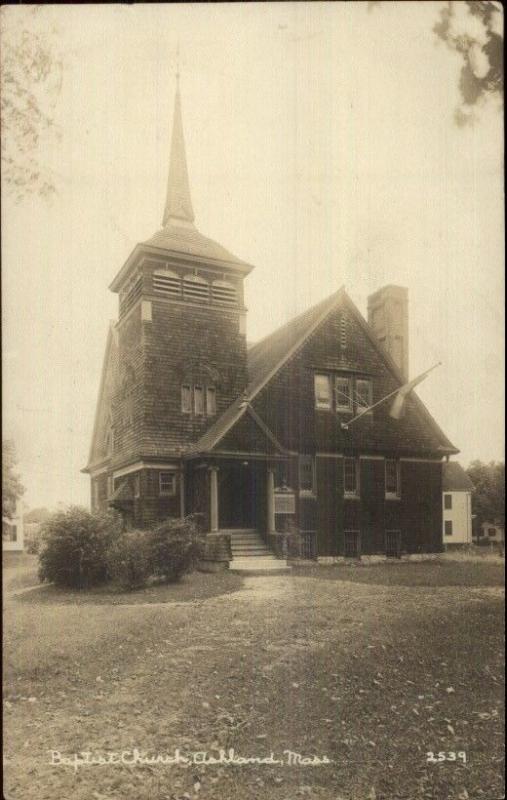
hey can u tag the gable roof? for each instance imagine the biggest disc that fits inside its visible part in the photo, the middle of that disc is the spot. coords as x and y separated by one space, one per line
455 479
107 386
268 356
265 358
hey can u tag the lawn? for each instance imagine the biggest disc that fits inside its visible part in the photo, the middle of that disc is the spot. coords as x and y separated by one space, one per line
371 667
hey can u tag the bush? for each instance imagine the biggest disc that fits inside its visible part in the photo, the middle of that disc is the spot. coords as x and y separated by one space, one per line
73 547
129 560
176 547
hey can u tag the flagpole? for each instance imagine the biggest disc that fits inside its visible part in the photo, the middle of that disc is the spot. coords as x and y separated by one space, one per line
346 425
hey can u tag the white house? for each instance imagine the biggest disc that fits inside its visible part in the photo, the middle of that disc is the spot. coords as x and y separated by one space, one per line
12 531
456 505
493 532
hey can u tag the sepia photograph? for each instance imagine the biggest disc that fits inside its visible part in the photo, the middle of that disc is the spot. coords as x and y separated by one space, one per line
253 460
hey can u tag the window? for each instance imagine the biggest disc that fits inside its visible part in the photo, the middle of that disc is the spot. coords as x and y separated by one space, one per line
351 544
186 399
137 486
195 288
9 532
167 483
448 501
343 394
211 401
198 400
306 474
392 474
492 532
109 486
323 398
167 283
351 477
223 293
364 394
448 527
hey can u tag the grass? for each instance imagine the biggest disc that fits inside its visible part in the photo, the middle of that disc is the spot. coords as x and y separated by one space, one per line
333 661
401 573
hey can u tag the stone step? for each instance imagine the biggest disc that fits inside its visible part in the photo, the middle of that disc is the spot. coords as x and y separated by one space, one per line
258 566
249 546
265 554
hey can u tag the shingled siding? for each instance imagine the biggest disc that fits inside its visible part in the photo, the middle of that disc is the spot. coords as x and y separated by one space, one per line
194 345
417 513
421 487
287 402
127 399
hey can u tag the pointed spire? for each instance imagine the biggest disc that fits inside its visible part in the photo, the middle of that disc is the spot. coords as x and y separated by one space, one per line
178 206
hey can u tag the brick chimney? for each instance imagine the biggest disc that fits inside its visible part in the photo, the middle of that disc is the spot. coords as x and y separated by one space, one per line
388 318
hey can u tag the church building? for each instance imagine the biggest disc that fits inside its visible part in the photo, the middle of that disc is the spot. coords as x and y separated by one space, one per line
262 438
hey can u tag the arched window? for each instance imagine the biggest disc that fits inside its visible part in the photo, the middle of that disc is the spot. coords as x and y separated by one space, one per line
195 288
167 283
224 293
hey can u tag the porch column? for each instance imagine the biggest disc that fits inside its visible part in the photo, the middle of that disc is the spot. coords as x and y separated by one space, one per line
213 499
271 501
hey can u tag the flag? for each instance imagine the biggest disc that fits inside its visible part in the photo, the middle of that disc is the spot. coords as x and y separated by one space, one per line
398 406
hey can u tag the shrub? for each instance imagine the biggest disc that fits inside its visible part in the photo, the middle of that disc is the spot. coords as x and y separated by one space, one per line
74 545
129 560
176 547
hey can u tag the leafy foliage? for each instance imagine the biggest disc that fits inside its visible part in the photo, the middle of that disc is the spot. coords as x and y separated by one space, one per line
488 499
74 545
176 547
475 30
12 488
129 560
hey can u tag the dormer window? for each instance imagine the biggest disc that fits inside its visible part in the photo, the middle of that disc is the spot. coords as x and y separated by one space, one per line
195 288
167 283
223 293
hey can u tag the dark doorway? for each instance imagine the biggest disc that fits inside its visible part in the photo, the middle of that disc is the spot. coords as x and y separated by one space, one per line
241 487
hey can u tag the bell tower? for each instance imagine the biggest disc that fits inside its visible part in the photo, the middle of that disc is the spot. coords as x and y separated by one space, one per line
181 328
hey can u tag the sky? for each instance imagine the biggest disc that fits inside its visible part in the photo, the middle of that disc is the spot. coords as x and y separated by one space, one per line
322 148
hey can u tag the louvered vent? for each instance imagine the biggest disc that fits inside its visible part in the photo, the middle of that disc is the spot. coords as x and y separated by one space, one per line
167 283
196 289
131 296
223 293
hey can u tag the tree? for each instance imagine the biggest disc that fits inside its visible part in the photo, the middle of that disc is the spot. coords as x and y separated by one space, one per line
12 488
475 30
30 83
488 499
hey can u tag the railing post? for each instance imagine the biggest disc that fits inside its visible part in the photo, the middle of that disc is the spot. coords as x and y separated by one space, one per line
271 501
213 474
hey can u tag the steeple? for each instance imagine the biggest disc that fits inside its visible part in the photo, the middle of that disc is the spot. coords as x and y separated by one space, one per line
178 207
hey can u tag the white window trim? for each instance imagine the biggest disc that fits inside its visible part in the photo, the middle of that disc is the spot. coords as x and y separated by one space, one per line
320 406
211 390
162 492
203 412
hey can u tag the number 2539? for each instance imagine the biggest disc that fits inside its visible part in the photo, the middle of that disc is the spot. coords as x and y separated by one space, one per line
450 755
